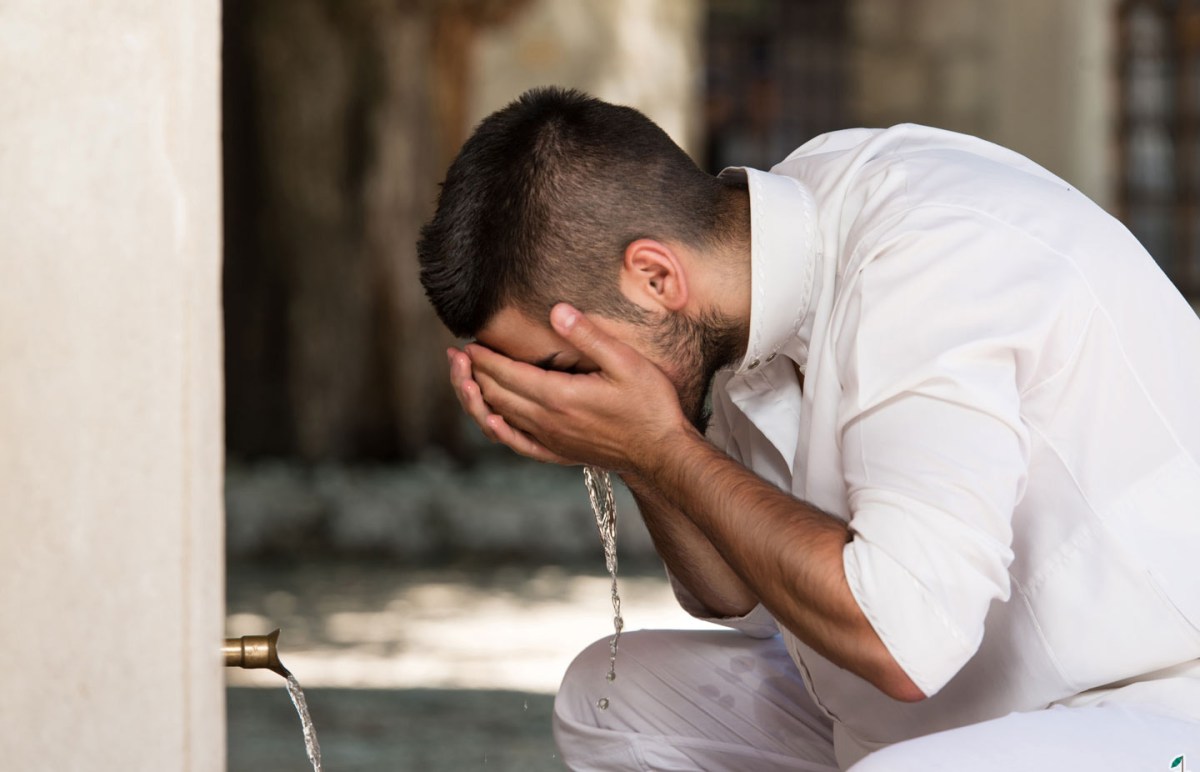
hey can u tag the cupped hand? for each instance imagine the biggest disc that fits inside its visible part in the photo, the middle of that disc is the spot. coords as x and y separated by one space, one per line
615 417
493 426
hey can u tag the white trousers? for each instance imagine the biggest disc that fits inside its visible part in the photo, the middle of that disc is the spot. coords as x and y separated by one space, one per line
719 701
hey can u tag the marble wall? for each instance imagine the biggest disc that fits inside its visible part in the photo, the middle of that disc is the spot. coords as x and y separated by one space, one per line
111 559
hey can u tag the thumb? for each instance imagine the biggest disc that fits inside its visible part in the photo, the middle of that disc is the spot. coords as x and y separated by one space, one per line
580 332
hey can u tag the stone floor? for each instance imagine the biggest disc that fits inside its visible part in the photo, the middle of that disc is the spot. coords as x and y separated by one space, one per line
394 729
431 670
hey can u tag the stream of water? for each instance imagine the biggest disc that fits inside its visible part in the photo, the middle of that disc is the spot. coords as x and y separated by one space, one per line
311 746
600 493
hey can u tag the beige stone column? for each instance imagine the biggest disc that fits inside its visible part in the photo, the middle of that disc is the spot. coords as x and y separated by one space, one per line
111 567
1033 75
1050 86
604 48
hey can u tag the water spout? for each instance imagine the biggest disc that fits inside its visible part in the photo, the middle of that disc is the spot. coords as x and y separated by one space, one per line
254 652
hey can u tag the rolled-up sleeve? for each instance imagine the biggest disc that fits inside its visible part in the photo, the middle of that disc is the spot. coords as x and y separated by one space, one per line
931 490
934 450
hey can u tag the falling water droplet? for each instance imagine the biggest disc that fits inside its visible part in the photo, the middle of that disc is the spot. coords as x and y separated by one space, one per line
600 494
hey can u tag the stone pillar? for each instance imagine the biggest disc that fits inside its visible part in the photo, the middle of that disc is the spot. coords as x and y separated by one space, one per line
604 48
111 548
1051 87
1031 75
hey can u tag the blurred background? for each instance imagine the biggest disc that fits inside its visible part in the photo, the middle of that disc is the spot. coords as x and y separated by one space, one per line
431 588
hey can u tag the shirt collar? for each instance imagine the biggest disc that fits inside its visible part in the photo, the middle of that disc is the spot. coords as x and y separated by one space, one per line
784 256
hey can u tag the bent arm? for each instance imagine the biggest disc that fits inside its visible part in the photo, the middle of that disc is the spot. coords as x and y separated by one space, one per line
689 556
787 553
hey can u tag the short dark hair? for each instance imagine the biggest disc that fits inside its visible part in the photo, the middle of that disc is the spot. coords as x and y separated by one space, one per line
542 201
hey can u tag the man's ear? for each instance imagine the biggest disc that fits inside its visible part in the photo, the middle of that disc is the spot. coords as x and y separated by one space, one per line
653 277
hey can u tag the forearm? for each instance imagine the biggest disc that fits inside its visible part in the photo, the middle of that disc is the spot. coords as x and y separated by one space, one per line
689 555
787 554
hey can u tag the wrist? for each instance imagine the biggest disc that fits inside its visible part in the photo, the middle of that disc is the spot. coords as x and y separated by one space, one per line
667 456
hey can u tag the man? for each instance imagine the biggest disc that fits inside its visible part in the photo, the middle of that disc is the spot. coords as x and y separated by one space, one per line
949 485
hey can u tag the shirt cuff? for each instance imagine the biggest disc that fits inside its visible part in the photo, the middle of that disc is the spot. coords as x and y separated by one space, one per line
756 623
910 621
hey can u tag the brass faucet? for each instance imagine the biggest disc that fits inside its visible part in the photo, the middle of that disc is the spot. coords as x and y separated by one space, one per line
253 652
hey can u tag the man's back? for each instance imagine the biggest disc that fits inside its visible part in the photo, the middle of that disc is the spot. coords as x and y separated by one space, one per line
999 398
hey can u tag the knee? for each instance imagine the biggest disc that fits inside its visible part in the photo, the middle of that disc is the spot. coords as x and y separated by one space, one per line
585 678
586 671
585 681
577 719
592 663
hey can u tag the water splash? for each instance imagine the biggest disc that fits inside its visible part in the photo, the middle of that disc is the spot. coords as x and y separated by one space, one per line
600 494
311 746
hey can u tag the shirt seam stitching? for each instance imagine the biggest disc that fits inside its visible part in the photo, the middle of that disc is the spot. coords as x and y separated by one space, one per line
1037 626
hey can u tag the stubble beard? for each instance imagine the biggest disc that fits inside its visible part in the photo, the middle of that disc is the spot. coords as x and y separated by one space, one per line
696 350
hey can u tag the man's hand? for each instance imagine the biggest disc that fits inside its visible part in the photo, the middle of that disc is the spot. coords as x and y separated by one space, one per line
493 426
616 417
735 537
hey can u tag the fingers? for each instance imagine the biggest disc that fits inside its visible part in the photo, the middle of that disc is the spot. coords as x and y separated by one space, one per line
519 378
470 397
517 409
580 332
522 443
484 372
493 426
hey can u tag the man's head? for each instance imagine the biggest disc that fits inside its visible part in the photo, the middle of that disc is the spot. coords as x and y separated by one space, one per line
561 197
545 197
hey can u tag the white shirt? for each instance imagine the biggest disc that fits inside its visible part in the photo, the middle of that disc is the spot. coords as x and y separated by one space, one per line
1002 399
